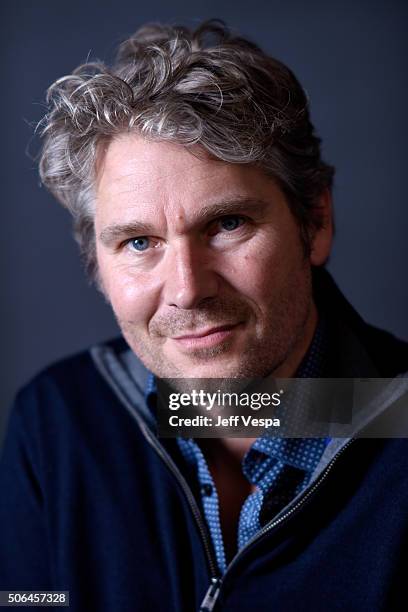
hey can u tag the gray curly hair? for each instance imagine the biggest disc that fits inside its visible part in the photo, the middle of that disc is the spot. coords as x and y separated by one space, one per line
205 87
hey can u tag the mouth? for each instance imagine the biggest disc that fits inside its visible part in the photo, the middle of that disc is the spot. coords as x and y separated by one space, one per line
206 338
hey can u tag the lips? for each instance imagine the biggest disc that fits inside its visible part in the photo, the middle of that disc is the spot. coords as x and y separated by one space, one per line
206 338
205 332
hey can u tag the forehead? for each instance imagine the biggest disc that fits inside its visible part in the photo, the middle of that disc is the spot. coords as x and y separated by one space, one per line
138 173
132 155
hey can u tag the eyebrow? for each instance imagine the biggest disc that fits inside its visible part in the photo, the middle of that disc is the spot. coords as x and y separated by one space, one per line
111 234
231 206
119 231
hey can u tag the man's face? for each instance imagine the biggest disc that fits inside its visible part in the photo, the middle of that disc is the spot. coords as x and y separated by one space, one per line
202 262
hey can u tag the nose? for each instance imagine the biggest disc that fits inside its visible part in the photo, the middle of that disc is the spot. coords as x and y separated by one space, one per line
189 278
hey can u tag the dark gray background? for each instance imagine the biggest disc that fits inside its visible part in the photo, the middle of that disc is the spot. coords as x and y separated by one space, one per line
350 57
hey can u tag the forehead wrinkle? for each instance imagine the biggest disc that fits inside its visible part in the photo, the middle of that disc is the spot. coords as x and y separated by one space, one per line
143 168
130 183
173 174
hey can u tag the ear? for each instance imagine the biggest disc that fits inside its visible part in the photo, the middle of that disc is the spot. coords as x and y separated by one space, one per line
322 238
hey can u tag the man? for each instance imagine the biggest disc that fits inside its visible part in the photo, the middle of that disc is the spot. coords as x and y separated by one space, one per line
203 211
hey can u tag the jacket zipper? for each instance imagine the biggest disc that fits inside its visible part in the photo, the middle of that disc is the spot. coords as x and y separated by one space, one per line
190 498
212 594
213 591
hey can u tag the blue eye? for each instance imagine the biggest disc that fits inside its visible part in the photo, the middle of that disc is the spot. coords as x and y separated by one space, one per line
231 223
140 244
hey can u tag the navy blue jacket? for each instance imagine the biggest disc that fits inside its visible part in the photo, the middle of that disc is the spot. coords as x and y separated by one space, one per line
92 502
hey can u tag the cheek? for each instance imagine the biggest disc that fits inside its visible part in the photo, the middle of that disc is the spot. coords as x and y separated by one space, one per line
261 265
133 297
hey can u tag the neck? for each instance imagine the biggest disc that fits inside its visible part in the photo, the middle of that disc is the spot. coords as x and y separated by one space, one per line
236 448
291 364
226 450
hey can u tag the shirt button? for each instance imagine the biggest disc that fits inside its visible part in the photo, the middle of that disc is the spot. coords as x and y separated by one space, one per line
206 490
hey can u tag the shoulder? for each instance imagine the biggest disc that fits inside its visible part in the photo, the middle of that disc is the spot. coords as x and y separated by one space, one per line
75 368
378 350
389 353
73 381
68 405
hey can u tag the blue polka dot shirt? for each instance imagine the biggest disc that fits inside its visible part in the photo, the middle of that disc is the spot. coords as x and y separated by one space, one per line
280 468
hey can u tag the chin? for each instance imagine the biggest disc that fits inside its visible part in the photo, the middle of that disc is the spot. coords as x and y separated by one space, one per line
210 370
222 368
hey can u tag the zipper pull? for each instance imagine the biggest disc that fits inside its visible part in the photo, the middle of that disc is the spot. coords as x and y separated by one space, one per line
211 595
